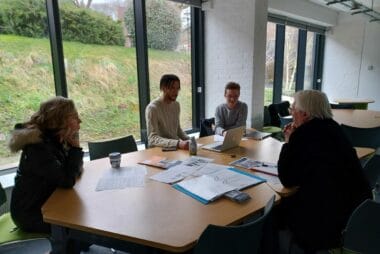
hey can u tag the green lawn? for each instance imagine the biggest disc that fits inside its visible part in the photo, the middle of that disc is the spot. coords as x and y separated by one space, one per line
102 80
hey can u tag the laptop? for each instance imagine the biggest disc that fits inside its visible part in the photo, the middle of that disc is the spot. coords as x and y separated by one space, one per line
231 140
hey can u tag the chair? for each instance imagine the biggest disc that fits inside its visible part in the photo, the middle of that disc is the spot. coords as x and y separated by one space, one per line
362 232
244 238
267 123
101 149
363 137
12 237
207 127
278 110
372 170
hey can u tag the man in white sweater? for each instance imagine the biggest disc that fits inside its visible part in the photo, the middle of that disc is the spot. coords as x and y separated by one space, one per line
162 116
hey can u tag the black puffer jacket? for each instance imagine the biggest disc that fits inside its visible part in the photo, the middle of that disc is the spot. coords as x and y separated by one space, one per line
321 161
45 164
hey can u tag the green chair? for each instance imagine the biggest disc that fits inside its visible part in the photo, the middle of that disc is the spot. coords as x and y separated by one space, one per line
275 130
240 239
101 149
9 233
363 137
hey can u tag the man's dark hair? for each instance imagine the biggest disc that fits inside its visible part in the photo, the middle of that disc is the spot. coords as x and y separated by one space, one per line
168 80
232 86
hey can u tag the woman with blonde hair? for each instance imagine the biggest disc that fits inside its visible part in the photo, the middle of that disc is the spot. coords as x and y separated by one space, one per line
51 157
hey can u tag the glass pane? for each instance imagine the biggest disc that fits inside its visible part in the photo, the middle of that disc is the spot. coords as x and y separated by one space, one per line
101 67
169 50
269 63
290 63
309 61
26 74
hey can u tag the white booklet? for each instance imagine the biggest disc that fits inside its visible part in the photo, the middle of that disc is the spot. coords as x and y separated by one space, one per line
260 166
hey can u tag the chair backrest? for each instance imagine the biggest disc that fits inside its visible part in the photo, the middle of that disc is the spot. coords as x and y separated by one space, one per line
363 137
206 127
3 196
372 170
278 109
101 149
240 239
362 233
267 119
342 106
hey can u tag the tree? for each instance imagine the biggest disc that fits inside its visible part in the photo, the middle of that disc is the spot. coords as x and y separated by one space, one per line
163 25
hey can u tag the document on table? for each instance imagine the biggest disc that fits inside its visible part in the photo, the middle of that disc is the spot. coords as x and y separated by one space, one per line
123 177
179 172
260 166
206 188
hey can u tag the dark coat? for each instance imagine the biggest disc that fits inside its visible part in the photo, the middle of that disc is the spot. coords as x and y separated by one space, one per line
320 160
45 164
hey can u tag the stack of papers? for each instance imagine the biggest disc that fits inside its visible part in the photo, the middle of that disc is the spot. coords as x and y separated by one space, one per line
160 162
260 166
206 188
123 177
257 135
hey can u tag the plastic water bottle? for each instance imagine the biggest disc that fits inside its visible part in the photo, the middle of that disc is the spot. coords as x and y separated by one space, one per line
193 146
376 192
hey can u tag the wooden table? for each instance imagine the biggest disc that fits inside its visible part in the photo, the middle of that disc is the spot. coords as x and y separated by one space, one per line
357 118
157 215
358 103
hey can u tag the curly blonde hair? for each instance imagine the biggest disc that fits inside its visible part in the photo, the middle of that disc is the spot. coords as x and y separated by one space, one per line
52 114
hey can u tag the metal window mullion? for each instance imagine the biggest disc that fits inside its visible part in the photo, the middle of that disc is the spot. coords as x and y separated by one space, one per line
55 35
197 66
318 61
301 57
278 63
142 60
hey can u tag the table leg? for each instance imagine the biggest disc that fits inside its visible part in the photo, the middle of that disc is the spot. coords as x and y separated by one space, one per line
58 240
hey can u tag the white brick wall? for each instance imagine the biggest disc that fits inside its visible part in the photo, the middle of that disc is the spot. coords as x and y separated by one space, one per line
229 52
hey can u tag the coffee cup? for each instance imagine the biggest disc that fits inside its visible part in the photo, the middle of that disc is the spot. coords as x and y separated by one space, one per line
115 159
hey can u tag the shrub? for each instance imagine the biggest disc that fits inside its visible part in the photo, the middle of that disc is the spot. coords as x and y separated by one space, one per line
163 24
23 17
29 18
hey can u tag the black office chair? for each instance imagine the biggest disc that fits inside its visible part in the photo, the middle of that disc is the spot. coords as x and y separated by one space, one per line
363 137
372 170
240 239
207 127
101 149
362 232
278 110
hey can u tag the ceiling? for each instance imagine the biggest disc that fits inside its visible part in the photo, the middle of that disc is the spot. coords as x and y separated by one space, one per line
370 8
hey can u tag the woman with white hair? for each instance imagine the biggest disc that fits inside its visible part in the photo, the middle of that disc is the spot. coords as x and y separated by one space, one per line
318 158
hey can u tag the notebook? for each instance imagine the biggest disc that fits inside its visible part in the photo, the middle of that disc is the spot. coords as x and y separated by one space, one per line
231 140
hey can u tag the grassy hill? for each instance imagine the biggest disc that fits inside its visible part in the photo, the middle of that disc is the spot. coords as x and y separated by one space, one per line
102 80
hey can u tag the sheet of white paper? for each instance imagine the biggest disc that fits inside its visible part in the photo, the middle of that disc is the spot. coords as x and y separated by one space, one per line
235 179
179 172
218 138
205 187
209 168
244 162
122 177
270 178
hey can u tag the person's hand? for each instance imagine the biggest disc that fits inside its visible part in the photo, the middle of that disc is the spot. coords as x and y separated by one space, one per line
183 144
288 130
72 137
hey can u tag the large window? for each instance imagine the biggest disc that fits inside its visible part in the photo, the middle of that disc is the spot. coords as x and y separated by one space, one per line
169 50
26 76
293 58
100 64
92 57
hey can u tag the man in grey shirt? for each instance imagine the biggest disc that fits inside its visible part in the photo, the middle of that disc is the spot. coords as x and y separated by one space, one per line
162 116
233 113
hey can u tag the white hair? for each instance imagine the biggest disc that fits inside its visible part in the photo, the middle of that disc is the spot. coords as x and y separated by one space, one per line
314 103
